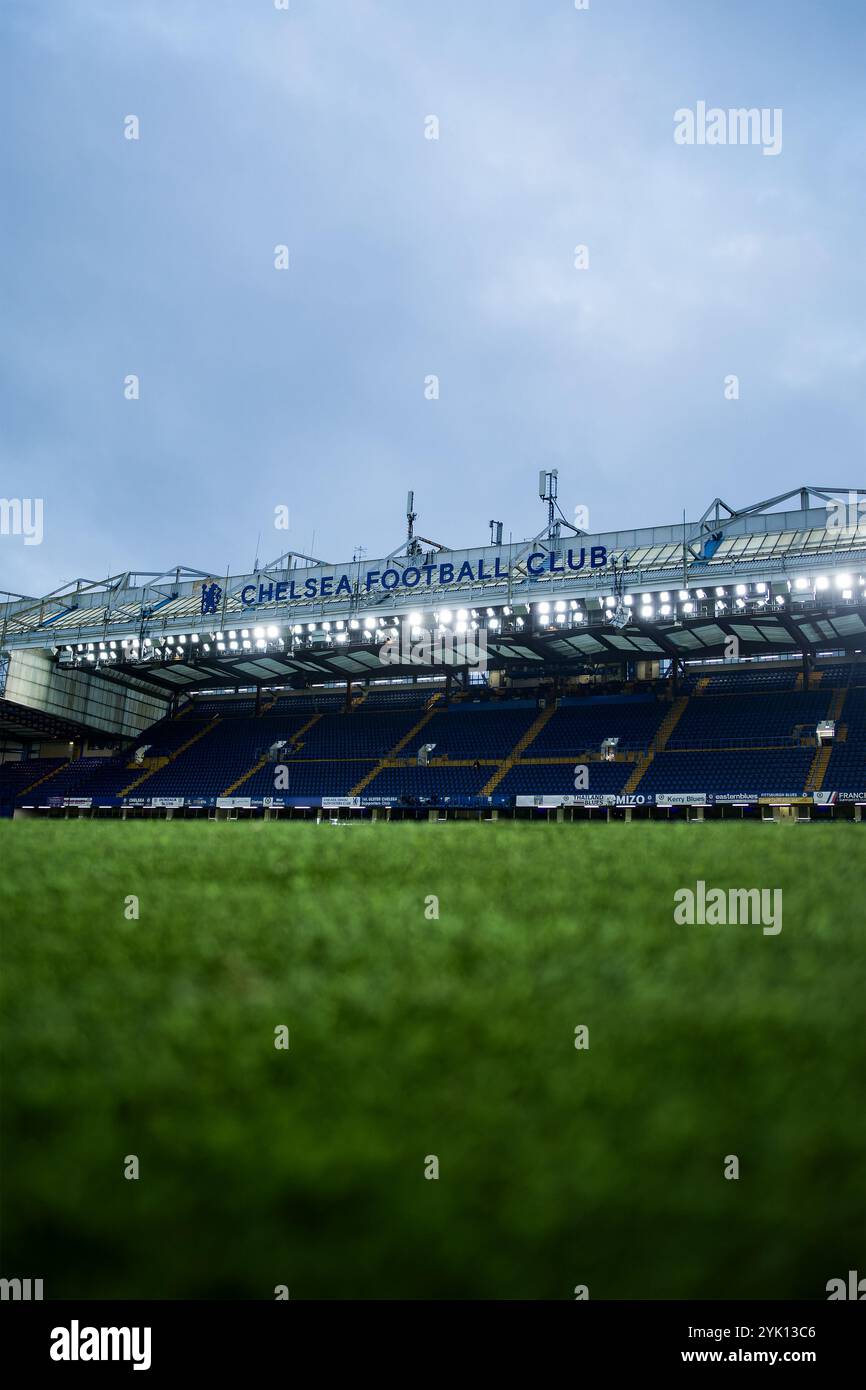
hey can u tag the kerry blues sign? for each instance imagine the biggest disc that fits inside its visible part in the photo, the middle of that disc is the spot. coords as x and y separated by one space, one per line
438 574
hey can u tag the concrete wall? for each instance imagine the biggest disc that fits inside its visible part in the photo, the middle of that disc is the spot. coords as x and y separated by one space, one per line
35 680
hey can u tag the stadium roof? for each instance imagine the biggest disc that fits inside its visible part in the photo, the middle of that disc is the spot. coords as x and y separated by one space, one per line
781 578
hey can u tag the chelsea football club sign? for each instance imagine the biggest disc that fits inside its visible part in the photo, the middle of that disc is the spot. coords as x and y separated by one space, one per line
438 574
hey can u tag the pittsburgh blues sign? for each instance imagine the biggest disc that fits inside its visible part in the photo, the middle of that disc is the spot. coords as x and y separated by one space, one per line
437 574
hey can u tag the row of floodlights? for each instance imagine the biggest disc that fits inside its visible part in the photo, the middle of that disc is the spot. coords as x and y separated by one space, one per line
733 597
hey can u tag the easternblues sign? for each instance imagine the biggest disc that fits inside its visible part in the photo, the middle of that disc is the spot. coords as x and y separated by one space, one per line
437 574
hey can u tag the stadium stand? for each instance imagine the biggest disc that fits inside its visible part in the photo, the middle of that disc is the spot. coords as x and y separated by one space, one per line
737 732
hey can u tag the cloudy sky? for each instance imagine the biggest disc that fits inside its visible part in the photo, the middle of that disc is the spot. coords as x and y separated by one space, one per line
408 257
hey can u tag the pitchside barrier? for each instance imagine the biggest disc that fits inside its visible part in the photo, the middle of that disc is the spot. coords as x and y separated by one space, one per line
657 800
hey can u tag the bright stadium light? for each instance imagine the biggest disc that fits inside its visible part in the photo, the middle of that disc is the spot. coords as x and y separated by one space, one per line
258 632
780 600
542 608
221 646
646 598
701 593
233 646
741 589
801 583
462 615
761 588
461 627
232 636
720 593
311 627
560 606
822 582
646 610
326 627
665 610
843 581
684 593
353 624
664 596
445 615
847 593
629 599
415 619
261 644
688 607
493 623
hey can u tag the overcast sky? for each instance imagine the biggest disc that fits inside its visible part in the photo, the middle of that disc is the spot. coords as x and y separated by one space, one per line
408 257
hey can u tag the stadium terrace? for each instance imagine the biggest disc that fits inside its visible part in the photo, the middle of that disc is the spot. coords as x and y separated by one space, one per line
712 668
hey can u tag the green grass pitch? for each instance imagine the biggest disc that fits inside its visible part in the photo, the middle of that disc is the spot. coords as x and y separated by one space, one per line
412 1036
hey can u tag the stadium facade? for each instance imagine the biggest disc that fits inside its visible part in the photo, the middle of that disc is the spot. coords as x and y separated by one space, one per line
699 665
